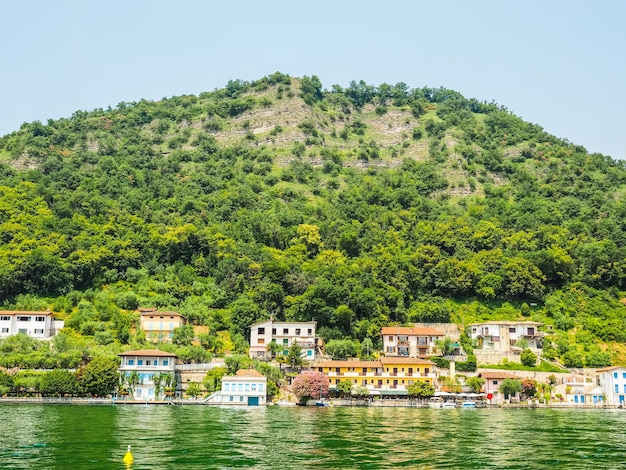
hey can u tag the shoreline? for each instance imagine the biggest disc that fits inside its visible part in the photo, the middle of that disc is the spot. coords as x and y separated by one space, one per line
391 403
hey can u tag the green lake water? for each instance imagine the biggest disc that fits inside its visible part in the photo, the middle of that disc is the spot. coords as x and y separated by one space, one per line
203 437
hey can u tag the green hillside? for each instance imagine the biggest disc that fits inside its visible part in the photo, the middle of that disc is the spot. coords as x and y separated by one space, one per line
358 207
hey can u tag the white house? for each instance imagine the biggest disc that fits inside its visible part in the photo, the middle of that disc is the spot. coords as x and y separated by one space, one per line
284 334
613 384
414 341
248 387
38 325
502 335
147 363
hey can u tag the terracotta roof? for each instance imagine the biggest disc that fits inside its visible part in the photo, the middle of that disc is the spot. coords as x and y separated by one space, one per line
405 360
248 373
497 375
607 369
148 352
411 330
143 311
358 364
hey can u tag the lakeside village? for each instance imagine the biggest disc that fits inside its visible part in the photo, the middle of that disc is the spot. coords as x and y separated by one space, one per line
419 365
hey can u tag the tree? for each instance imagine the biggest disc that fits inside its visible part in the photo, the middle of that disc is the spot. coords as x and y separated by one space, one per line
100 377
341 348
183 335
236 362
475 383
193 389
7 383
294 358
359 391
421 390
445 345
274 348
510 387
58 383
528 358
367 347
345 387
529 387
310 384
157 380
213 379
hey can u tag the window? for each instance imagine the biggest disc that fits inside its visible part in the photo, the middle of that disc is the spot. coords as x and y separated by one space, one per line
309 353
285 341
473 330
298 331
273 331
240 387
39 331
21 318
165 362
148 362
261 340
309 332
22 331
261 331
227 387
512 329
40 318
231 398
241 398
624 388
285 331
614 375
247 387
253 387
5 330
261 387
140 362
494 382
5 318
391 339
616 388
131 362
624 375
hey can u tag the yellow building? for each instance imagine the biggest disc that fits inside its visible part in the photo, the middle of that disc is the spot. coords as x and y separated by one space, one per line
387 376
159 326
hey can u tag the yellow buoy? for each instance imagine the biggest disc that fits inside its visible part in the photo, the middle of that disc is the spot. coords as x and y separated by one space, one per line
128 457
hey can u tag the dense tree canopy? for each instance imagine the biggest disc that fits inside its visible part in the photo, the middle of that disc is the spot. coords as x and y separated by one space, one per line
358 207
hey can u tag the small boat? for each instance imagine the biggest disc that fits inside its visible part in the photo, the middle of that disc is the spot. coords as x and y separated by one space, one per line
321 403
468 404
448 404
284 403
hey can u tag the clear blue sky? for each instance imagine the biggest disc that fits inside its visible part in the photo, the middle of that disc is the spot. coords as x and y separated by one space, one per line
557 63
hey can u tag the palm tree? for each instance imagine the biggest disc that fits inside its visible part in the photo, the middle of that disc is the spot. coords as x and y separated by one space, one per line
273 348
157 379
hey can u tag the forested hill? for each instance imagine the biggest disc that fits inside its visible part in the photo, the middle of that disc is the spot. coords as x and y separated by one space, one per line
358 207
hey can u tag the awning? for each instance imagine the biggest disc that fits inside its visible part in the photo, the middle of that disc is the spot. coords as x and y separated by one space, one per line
394 392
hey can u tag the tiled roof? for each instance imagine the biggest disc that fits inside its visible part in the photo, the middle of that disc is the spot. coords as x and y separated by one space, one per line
248 373
405 360
497 375
411 330
358 364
